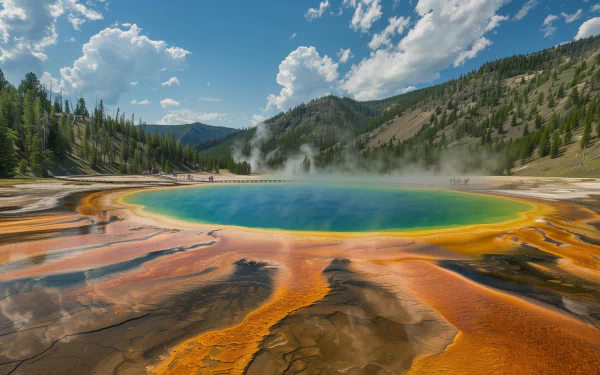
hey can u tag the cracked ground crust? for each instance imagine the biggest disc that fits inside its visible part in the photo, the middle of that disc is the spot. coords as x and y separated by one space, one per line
107 291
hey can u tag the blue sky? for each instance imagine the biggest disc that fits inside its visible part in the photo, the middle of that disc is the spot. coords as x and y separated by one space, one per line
234 63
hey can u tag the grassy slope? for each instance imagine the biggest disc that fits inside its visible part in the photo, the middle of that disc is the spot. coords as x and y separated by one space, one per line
566 165
74 165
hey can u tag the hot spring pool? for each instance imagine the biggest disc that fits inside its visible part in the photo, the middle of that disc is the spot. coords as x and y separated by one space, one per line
330 208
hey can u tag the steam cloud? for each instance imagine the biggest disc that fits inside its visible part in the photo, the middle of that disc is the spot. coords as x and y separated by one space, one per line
407 169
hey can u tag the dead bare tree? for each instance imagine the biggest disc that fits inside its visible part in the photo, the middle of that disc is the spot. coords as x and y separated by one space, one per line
45 128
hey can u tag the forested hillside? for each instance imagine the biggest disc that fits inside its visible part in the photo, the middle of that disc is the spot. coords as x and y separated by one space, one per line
536 114
193 134
42 135
532 114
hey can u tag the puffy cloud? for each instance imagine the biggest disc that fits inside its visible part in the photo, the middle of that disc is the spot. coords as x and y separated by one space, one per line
408 89
171 81
478 46
495 22
304 75
344 55
141 102
548 27
314 13
589 28
529 5
366 13
448 32
133 83
187 116
114 58
75 21
257 119
210 99
293 36
396 26
168 102
570 18
28 27
50 82
595 8
75 8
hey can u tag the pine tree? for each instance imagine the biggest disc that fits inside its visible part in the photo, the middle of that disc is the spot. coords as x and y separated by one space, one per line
23 167
561 91
8 160
574 96
555 146
543 150
538 121
37 159
306 164
550 101
568 136
29 120
135 163
585 136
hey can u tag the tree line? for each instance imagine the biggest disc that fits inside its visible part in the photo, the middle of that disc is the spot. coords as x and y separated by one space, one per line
40 130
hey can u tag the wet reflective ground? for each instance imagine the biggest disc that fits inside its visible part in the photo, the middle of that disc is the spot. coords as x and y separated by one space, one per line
103 290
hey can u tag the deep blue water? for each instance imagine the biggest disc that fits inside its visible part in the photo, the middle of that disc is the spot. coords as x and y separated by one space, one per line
332 208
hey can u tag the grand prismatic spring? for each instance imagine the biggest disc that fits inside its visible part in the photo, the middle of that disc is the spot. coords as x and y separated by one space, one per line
301 279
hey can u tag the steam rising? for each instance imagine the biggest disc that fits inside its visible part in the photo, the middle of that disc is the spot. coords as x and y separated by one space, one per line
454 162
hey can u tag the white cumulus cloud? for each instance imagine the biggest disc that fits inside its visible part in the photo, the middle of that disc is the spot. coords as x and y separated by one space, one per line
448 32
50 82
257 119
314 13
304 75
570 18
114 58
495 22
529 5
548 27
396 26
28 28
140 102
589 28
344 55
168 102
171 81
187 116
366 13
477 47
408 89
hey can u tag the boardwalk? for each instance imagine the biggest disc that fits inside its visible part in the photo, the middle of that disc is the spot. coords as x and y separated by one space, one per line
164 180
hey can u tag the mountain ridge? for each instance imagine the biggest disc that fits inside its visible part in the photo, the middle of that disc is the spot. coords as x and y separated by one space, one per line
193 133
519 110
